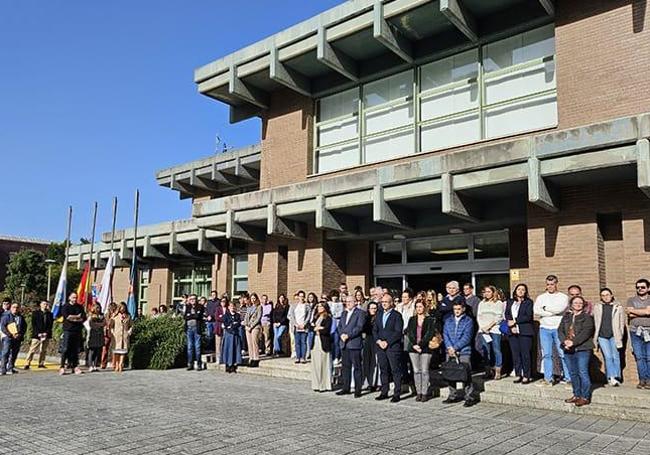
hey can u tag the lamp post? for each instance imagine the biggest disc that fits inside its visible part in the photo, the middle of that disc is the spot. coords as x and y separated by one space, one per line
22 293
49 263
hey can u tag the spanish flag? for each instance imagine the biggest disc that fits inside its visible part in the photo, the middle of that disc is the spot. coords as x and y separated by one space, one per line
84 294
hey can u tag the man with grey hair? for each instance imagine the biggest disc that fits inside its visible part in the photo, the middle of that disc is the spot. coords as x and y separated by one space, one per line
453 296
350 331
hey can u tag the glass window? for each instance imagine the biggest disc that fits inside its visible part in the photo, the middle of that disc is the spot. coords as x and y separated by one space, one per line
388 252
491 245
436 249
192 280
388 103
451 132
240 274
338 157
392 145
339 115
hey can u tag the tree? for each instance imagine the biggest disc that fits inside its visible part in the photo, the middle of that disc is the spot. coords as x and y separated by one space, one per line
27 268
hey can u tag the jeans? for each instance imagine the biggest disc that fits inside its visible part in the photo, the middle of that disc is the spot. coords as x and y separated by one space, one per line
10 350
310 342
277 338
301 345
549 338
492 351
578 363
611 356
641 351
421 364
193 345
209 329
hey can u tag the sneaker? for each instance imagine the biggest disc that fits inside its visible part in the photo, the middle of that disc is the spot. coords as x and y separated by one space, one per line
78 371
61 371
14 371
10 372
614 382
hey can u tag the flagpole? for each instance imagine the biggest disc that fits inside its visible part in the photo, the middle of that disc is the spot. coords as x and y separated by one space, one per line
67 237
135 222
113 227
92 245
134 274
61 288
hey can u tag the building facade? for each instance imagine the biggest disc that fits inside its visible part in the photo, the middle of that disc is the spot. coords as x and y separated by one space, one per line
408 142
10 245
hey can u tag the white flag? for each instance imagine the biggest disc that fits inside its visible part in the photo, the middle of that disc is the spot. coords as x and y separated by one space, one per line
106 292
61 288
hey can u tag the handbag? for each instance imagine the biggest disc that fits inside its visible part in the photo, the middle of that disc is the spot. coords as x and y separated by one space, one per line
504 328
435 342
453 370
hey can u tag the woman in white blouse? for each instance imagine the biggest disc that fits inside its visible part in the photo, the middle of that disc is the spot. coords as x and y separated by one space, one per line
489 317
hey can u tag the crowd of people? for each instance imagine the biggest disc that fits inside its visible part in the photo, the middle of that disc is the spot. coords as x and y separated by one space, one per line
368 342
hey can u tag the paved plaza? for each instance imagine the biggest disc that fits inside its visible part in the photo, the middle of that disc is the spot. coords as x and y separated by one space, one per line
183 412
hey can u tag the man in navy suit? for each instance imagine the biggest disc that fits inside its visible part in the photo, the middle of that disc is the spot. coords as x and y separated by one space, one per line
349 332
388 332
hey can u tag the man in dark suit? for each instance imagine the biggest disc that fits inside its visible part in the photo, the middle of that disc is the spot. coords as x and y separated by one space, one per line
388 332
349 331
41 334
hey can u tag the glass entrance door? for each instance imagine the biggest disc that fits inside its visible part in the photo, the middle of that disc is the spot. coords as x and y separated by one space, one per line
436 281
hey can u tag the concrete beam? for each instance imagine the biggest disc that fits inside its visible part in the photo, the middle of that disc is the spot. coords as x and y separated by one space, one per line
151 251
388 36
643 165
206 245
241 113
283 227
334 58
223 177
452 203
242 231
201 183
246 92
125 252
185 189
176 248
456 13
326 219
548 7
286 76
539 193
243 172
385 213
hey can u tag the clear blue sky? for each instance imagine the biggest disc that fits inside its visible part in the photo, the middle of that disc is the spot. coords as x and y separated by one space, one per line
97 96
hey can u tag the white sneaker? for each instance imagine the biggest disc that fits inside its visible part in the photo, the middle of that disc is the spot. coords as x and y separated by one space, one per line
614 382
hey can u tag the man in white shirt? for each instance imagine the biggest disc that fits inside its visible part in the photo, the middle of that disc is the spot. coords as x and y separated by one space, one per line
549 307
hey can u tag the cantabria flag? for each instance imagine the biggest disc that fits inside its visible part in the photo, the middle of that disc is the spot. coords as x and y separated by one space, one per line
106 291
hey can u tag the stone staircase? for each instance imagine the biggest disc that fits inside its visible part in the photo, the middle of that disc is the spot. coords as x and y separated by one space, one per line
278 368
625 402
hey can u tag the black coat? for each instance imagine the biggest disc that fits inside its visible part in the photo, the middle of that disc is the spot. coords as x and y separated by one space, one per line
42 323
429 330
325 335
583 329
393 333
279 315
524 317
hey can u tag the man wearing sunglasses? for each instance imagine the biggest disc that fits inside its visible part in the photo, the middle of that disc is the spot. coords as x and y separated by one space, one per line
638 310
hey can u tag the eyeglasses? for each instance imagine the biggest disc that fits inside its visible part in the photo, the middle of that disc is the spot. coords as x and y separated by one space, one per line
641 287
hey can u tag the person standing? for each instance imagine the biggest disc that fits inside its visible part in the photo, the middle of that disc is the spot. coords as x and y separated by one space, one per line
369 356
388 333
96 324
42 322
280 318
231 350
252 323
407 309
211 307
244 302
609 328
121 331
458 333
447 303
301 314
74 316
489 316
12 332
349 332
218 327
421 330
312 303
550 307
638 310
519 316
576 332
108 337
336 307
266 326
321 361
471 300
194 317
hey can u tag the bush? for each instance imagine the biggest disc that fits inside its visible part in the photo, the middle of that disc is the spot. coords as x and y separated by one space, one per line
158 343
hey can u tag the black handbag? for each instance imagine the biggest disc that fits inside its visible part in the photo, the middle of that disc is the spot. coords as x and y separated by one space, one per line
453 370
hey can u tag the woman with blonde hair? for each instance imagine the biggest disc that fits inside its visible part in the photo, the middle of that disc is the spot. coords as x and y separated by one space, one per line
108 338
489 317
121 324
431 301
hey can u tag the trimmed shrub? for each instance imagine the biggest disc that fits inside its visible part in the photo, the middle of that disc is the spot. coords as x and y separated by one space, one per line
158 343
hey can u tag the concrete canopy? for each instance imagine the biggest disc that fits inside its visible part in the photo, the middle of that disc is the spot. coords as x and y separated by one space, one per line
358 41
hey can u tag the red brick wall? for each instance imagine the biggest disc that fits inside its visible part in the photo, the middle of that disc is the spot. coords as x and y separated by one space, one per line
359 264
603 60
287 134
263 270
222 273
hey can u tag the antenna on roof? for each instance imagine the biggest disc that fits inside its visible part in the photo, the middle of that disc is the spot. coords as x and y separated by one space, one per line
219 144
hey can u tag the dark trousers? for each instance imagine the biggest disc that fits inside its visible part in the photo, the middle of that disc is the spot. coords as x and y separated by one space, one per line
521 347
407 368
10 349
193 346
390 363
95 354
352 358
71 347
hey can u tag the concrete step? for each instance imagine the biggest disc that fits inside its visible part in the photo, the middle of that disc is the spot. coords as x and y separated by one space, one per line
619 397
595 409
278 368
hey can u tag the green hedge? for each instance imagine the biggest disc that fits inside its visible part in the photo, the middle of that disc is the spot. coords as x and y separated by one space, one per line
158 343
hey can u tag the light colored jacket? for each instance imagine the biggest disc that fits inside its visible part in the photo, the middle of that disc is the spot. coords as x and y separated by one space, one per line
253 316
490 313
618 322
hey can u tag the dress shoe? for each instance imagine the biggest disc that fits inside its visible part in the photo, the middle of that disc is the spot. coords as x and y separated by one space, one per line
571 400
26 367
469 403
357 394
381 397
42 366
425 398
518 380
418 398
395 399
343 392
581 402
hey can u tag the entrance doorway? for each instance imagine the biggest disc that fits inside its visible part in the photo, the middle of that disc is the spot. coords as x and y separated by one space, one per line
436 281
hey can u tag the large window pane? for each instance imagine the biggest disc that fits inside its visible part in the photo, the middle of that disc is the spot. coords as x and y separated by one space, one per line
451 132
338 105
388 252
437 249
338 157
518 49
527 81
491 245
389 117
344 130
240 285
448 70
388 89
241 265
519 117
455 100
389 146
